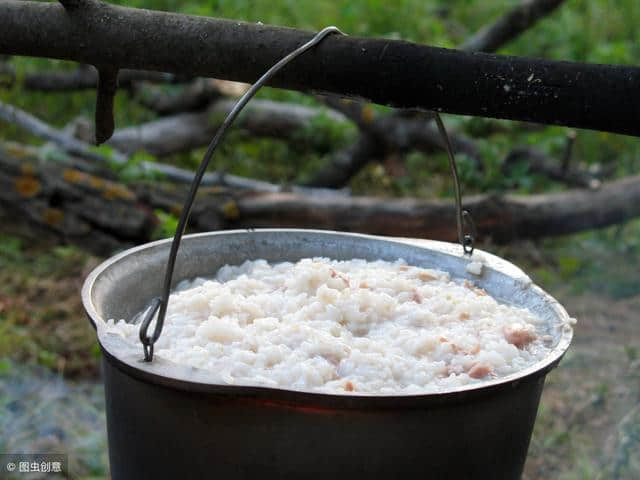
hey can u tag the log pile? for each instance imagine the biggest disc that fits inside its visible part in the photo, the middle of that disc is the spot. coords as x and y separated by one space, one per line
103 215
81 201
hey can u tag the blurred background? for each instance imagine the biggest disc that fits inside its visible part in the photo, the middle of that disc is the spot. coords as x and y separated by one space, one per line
588 424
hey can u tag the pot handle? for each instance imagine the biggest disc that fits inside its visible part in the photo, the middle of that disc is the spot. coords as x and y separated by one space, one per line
159 304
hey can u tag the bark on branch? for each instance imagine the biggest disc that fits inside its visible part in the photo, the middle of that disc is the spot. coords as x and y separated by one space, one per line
602 97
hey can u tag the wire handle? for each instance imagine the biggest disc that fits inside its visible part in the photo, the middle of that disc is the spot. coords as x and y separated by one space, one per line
162 302
466 237
159 304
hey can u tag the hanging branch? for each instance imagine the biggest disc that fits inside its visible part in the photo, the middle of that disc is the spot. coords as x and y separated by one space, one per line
73 4
107 87
568 150
392 72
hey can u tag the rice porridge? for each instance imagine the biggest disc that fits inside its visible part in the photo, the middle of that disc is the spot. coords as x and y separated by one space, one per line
344 327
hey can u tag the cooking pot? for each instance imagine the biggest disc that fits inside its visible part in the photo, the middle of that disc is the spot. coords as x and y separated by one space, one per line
166 420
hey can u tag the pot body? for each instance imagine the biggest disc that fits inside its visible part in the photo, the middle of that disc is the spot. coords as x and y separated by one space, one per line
160 432
166 420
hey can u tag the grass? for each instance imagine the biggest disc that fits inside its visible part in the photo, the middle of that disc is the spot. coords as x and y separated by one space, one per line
41 322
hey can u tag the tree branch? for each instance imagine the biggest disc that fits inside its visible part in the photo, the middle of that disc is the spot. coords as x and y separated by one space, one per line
488 39
101 215
198 95
347 162
537 162
396 132
86 77
581 95
186 131
502 219
73 4
512 24
83 150
107 87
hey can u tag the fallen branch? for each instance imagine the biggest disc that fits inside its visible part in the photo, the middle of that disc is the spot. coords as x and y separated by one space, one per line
347 162
488 39
604 97
511 25
83 150
101 215
537 162
198 95
86 77
393 133
186 131
28 122
502 219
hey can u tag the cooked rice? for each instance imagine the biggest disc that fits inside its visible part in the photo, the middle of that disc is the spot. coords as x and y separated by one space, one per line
344 327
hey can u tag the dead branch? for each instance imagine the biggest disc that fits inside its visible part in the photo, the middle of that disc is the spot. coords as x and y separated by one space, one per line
102 215
537 162
347 162
501 219
107 87
86 77
83 150
511 25
196 96
398 132
186 131
603 97
28 122
488 39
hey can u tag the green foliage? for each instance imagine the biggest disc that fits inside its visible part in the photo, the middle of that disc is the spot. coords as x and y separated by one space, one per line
580 260
32 310
11 248
134 168
167 225
631 352
323 135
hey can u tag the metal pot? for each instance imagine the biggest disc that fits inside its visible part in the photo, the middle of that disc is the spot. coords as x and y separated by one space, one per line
166 420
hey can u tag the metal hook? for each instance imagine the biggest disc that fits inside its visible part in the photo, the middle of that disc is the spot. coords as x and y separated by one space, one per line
162 302
463 217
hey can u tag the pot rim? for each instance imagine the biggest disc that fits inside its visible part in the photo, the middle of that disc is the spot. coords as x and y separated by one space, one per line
166 373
